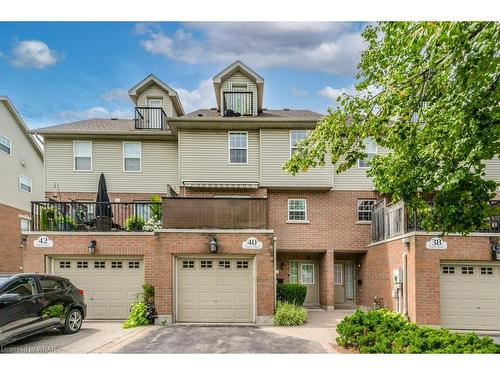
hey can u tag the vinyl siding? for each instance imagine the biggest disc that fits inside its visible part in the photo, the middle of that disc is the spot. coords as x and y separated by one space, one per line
159 167
156 92
493 170
239 78
204 157
23 160
275 145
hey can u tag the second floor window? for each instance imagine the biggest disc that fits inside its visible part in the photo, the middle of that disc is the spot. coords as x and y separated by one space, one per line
132 156
83 155
365 208
5 144
297 210
371 150
296 136
25 184
238 147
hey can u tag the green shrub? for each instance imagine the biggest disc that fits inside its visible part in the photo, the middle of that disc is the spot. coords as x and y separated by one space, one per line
384 331
134 223
137 316
292 293
289 314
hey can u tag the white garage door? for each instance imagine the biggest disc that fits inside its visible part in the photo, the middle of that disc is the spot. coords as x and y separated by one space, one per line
215 290
110 285
470 296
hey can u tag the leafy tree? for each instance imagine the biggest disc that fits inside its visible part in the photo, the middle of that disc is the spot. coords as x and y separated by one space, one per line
428 92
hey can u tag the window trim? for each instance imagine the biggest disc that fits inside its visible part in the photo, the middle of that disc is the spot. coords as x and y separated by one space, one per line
290 139
229 147
91 157
21 176
313 273
290 272
232 84
290 221
357 210
10 145
341 266
140 157
23 219
375 153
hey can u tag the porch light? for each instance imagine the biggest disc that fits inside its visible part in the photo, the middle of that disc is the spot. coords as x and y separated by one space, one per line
91 246
213 245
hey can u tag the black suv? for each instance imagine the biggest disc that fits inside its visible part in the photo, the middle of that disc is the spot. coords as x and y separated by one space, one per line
33 303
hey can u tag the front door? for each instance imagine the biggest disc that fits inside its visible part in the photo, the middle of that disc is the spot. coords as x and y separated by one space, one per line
154 113
305 272
343 279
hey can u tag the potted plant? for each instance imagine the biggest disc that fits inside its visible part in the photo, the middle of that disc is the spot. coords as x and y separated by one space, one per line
134 223
65 223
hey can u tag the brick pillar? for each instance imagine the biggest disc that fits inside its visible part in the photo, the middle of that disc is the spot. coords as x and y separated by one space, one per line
326 279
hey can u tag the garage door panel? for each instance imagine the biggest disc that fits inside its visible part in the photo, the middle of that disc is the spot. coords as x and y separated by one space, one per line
470 297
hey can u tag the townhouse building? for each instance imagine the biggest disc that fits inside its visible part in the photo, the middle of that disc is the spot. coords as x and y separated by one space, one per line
21 165
234 224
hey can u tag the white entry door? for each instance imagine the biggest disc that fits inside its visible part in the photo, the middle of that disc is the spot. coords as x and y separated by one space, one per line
154 114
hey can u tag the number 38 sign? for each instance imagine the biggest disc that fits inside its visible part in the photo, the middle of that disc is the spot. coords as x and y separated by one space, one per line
436 243
252 243
43 241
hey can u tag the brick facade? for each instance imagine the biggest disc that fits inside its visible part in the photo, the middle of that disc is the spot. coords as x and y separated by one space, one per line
11 258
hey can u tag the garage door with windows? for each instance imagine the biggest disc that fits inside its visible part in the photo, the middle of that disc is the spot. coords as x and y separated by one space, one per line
470 297
110 285
215 290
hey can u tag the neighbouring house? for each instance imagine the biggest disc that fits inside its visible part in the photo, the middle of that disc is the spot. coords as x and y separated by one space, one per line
21 165
234 224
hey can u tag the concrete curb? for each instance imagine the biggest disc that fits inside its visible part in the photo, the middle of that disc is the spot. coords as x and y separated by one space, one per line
118 343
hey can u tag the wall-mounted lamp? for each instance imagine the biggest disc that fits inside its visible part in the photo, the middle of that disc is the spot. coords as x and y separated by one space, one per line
213 245
91 246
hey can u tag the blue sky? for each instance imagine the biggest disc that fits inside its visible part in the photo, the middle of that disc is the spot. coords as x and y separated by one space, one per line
56 72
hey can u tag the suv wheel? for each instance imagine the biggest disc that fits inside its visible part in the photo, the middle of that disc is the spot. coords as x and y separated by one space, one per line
73 322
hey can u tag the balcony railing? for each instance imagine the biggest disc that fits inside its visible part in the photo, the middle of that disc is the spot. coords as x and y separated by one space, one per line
393 219
220 213
150 118
238 103
83 216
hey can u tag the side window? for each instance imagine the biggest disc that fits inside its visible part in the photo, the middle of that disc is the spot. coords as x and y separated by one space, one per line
238 147
82 152
295 137
371 151
297 210
51 285
365 207
5 145
24 286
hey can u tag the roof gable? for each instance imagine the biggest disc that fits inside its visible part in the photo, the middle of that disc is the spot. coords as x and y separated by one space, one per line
241 67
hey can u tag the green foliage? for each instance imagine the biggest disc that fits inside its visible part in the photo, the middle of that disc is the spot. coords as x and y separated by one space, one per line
134 223
137 316
155 206
47 218
384 331
65 222
289 314
54 311
292 293
428 92
148 293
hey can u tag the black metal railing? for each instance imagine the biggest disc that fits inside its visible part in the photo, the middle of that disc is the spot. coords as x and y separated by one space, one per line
392 219
238 103
83 216
150 118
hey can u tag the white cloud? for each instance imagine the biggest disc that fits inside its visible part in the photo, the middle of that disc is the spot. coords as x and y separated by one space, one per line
333 47
333 93
92 113
34 54
201 97
116 95
299 92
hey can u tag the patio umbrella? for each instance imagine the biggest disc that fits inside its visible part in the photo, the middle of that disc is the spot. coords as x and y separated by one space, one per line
102 208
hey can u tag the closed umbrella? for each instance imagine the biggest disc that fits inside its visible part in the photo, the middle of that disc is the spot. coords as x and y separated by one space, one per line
102 208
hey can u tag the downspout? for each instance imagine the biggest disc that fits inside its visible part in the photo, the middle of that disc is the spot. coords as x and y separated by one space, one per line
406 244
274 272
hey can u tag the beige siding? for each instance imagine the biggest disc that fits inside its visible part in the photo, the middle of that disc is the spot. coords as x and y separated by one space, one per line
23 160
275 148
159 167
156 92
239 78
204 156
493 170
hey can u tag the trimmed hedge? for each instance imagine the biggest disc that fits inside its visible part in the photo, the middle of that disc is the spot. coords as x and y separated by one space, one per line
289 314
384 331
292 293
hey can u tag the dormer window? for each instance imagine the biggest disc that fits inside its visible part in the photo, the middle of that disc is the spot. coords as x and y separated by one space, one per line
238 102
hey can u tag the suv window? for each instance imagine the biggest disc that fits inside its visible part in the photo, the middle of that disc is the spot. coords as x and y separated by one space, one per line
51 285
24 286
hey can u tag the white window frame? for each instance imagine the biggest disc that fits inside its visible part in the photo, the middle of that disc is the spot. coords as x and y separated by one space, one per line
292 146
357 210
341 267
297 281
232 84
91 157
30 183
313 273
305 209
24 220
368 153
229 147
140 156
10 146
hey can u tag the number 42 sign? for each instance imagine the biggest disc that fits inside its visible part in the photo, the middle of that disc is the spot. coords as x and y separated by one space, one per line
43 241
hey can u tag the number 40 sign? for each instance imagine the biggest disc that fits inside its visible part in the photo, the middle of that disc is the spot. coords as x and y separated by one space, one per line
252 243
